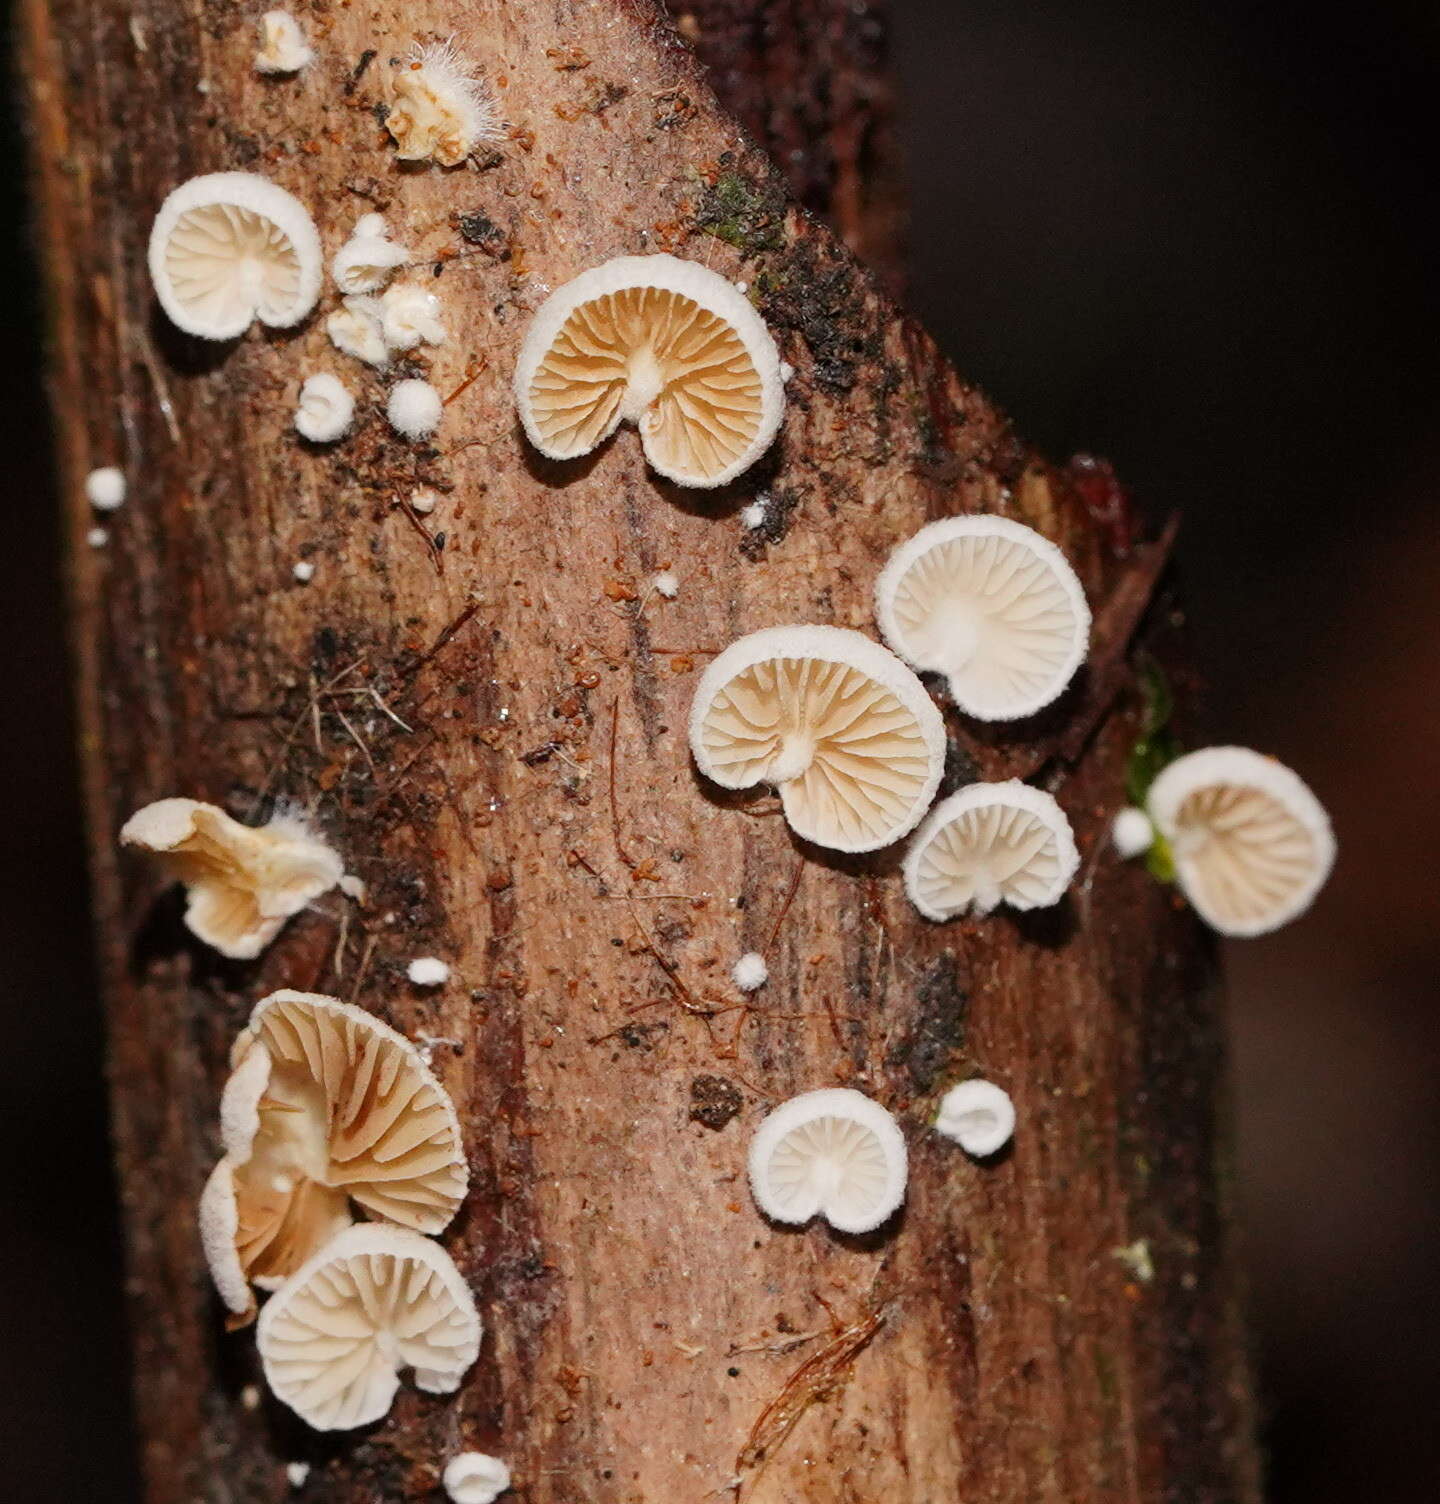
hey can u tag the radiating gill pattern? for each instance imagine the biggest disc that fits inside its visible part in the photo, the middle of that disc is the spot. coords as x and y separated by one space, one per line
990 854
829 1164
208 243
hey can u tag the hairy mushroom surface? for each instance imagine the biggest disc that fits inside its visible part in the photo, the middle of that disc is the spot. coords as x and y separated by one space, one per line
662 343
989 844
1252 846
993 606
836 722
977 1115
375 1300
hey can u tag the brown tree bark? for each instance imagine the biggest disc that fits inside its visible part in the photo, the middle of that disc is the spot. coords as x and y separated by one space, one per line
486 709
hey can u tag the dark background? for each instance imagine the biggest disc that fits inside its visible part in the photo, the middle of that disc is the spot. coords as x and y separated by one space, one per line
1199 239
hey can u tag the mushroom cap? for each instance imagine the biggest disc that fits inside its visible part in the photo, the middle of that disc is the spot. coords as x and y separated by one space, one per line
367 260
474 1478
374 1300
242 882
1252 846
666 344
993 606
834 1152
989 844
979 1116
1132 832
231 247
441 111
414 408
326 408
836 722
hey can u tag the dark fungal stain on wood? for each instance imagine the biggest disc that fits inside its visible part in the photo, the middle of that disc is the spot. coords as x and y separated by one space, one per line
936 1036
714 1100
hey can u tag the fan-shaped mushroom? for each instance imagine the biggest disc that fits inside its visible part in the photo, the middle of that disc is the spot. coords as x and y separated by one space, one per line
345 1109
242 882
991 843
231 247
1251 844
833 1152
475 1478
979 1116
990 604
373 1301
662 343
839 725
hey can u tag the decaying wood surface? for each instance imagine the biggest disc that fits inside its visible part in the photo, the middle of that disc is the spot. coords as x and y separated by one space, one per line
486 709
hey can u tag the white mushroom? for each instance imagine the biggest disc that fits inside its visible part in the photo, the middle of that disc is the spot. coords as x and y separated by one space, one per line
1251 844
357 328
283 48
979 1116
366 262
474 1478
373 1301
837 723
242 883
105 488
231 247
1132 832
662 343
833 1152
991 843
993 606
410 314
428 971
414 409
441 111
326 409
750 973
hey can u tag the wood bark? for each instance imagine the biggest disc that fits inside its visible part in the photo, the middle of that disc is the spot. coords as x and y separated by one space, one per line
486 708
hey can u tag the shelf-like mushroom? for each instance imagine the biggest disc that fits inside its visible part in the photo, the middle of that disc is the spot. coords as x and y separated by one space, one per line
475 1478
835 722
989 844
231 247
373 1301
662 343
242 882
993 606
979 1116
1251 844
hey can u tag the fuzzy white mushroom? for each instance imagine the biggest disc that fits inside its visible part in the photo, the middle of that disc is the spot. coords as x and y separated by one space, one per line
979 1116
423 501
375 1300
989 844
297 1474
837 723
1132 833
993 606
303 571
1251 844
440 110
410 315
283 48
666 584
833 1152
662 343
356 328
231 247
428 971
97 537
474 1478
105 488
242 882
750 972
414 409
753 516
367 261
326 409
325 1106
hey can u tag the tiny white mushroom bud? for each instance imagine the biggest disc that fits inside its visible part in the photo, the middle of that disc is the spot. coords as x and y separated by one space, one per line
750 972
428 971
979 1116
667 584
250 1397
326 409
474 1478
355 328
441 111
283 48
296 1474
424 502
414 409
410 314
753 516
1132 833
97 537
304 571
366 262
105 488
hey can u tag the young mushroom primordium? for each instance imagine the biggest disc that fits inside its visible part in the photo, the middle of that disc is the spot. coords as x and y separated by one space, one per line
325 1107
845 732
977 1115
665 344
440 108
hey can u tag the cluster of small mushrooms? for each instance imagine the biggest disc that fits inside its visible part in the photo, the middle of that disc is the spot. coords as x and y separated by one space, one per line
343 1154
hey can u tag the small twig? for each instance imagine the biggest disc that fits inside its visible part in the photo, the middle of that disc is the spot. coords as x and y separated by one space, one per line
412 517
785 907
614 807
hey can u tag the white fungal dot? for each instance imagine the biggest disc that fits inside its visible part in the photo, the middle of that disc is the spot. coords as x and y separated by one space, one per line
424 502
97 537
753 516
304 571
326 409
356 328
296 1473
750 972
283 48
414 409
428 971
474 1478
105 488
410 315
979 1116
1132 833
667 584
250 1397
366 262
441 111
